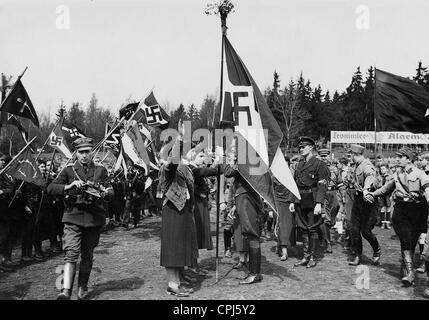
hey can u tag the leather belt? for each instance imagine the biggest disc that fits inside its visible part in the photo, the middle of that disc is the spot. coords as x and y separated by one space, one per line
305 190
408 200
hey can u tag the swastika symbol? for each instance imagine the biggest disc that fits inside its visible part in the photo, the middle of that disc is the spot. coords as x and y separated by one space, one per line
153 114
74 132
56 141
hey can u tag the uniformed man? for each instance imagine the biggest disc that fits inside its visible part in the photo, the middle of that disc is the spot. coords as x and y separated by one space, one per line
85 186
364 210
331 203
410 190
311 176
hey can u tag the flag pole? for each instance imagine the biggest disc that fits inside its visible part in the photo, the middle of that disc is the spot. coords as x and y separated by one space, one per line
46 141
67 162
373 108
15 195
108 134
223 9
15 157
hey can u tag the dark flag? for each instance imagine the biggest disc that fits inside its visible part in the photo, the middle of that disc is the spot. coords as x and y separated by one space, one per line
244 107
154 114
18 103
128 110
400 104
24 167
10 119
73 131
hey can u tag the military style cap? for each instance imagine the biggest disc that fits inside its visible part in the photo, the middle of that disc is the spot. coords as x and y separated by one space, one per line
408 152
83 143
356 148
305 141
324 152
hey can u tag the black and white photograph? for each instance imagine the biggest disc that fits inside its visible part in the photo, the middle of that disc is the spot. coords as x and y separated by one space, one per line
214 151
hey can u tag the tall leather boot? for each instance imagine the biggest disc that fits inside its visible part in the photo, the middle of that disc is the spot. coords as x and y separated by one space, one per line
327 237
312 261
409 277
305 243
254 266
68 279
82 281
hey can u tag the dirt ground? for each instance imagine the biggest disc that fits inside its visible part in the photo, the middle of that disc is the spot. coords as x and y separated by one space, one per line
126 267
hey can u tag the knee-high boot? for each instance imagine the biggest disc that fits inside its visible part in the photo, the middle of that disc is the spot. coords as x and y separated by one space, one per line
327 237
82 281
69 272
409 277
305 246
254 266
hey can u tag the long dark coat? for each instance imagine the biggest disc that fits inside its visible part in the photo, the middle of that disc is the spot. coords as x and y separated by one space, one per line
178 233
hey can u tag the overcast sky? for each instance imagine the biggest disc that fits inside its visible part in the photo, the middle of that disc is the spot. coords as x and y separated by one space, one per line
121 49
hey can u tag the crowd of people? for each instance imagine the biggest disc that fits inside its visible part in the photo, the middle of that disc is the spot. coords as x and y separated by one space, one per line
341 201
31 215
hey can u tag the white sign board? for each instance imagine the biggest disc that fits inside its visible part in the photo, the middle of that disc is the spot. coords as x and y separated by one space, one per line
384 137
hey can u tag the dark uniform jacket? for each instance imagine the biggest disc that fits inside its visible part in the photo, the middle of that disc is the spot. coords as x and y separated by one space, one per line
81 209
240 184
7 185
311 178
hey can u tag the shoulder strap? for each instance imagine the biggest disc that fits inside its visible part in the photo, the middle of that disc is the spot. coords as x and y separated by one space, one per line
402 185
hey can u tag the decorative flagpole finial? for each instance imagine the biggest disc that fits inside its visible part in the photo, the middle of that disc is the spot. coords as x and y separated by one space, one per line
222 8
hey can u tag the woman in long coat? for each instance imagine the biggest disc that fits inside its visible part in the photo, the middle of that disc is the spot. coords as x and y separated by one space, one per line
178 234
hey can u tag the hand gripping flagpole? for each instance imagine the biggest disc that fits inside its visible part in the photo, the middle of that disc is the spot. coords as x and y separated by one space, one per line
222 8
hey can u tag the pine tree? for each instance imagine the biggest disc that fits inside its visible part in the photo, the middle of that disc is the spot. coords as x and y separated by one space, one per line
327 98
193 115
421 72
207 110
369 100
61 112
76 115
272 96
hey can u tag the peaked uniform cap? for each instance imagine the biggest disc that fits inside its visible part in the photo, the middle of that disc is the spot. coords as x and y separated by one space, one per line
83 143
305 141
408 152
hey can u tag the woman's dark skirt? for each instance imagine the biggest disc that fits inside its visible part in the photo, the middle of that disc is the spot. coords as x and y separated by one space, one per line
202 223
178 237
286 232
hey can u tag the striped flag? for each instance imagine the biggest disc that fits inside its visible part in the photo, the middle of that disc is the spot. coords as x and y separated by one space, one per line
58 141
244 107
